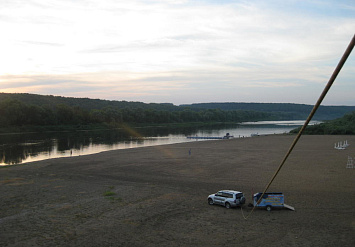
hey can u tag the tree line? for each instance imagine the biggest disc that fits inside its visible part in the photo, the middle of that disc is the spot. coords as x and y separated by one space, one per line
16 113
287 111
294 111
340 126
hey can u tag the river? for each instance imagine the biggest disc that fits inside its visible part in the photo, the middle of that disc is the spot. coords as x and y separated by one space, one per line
28 147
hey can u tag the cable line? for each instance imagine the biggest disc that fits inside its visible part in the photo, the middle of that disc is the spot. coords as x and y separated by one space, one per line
321 97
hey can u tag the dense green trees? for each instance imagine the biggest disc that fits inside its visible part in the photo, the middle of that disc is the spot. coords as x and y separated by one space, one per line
39 110
292 111
339 126
286 111
15 113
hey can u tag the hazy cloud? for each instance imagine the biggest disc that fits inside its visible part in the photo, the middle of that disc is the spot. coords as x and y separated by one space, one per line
177 51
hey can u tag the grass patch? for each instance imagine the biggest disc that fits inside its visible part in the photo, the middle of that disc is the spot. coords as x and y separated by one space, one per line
109 193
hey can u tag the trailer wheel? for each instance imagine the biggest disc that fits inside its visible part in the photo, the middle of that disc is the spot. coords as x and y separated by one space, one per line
228 205
268 208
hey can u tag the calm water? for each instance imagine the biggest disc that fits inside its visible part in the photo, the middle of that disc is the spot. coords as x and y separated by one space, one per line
22 148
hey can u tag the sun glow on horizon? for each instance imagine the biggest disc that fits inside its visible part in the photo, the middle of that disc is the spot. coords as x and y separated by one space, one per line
175 51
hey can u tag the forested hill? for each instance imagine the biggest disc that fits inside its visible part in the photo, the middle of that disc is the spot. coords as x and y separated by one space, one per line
22 112
340 126
287 111
84 103
294 111
40 110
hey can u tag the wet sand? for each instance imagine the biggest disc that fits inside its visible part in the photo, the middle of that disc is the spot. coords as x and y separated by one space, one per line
157 196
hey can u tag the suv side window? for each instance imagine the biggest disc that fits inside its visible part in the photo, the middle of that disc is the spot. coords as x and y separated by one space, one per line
219 194
227 195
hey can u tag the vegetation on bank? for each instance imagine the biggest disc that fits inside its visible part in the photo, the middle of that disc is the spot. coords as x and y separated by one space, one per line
30 112
340 126
15 114
293 111
279 111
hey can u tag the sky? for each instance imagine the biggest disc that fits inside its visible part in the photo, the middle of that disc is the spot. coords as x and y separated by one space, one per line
178 51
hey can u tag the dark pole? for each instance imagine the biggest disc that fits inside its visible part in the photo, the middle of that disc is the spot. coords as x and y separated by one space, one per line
319 101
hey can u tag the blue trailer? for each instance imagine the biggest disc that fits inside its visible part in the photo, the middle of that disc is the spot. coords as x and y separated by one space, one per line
271 200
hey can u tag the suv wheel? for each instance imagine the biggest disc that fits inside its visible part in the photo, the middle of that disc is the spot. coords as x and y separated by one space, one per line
210 201
228 205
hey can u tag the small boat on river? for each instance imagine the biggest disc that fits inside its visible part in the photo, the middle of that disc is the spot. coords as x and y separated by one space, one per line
227 136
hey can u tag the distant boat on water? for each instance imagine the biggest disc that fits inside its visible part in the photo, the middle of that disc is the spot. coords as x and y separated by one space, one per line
227 136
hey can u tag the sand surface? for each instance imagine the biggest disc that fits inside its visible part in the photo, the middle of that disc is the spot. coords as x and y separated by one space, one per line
159 196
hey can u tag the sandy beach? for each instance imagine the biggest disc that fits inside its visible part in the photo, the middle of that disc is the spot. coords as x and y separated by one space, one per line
157 196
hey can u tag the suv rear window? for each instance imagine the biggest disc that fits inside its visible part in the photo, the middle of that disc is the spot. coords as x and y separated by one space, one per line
239 195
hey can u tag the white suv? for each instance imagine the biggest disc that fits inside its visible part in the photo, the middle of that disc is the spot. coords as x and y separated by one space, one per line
227 198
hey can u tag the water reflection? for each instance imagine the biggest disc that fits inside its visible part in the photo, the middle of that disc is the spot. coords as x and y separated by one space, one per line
21 148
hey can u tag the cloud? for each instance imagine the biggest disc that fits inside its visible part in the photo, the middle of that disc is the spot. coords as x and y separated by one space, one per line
81 85
153 50
42 43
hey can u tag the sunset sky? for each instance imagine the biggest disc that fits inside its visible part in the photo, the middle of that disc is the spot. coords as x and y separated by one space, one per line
178 51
